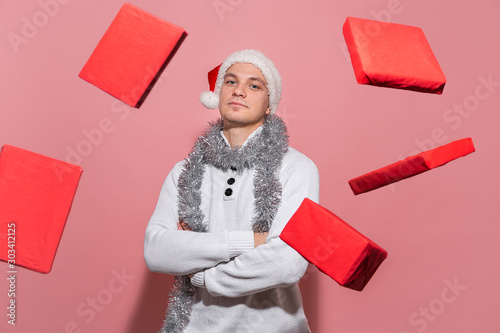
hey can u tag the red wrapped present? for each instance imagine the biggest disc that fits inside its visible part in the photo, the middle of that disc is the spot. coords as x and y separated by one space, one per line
132 54
332 245
392 55
36 193
412 166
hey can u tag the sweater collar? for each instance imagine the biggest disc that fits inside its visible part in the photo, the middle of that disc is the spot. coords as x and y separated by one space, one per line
252 135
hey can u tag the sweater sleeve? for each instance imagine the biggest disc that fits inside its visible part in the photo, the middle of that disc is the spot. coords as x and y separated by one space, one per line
178 252
274 264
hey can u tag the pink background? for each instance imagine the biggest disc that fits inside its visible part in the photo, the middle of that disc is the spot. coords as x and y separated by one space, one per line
440 228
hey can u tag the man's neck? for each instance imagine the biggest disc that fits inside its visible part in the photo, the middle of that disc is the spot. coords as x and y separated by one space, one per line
236 136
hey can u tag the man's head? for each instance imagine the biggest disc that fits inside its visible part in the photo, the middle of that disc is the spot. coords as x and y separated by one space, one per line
262 63
244 96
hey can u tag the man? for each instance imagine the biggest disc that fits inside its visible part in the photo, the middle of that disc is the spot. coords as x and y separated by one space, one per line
221 211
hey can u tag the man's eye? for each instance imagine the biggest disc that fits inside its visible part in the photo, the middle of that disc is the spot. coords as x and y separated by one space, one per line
254 86
230 82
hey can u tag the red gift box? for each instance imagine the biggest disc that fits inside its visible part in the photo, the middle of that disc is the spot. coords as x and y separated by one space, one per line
332 245
132 54
36 193
392 55
412 166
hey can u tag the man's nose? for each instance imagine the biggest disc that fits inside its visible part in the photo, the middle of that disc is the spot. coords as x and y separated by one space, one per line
239 90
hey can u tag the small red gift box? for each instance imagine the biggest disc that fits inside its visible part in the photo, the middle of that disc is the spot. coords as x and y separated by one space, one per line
392 55
412 166
36 193
332 245
132 54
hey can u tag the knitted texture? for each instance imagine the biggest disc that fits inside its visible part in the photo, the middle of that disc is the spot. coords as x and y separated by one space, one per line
264 153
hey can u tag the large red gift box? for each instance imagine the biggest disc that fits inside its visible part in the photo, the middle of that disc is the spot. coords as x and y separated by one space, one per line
392 55
132 54
36 194
412 166
332 245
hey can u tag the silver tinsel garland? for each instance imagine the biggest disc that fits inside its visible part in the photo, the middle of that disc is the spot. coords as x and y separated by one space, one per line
264 153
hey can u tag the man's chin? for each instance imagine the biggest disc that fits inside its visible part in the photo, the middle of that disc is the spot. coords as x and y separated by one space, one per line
232 115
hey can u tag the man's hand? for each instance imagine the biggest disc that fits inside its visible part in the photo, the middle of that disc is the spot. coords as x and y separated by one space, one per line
259 238
183 226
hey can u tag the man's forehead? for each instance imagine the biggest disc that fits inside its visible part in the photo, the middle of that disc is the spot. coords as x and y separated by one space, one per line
245 68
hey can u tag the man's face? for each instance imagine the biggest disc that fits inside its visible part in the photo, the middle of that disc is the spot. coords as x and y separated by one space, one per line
244 100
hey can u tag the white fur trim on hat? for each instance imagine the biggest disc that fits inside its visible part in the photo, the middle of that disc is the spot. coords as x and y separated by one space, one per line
259 60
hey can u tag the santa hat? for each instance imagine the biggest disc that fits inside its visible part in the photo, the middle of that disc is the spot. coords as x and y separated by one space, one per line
210 99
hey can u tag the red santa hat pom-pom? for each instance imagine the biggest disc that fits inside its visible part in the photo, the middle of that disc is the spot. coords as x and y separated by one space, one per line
209 99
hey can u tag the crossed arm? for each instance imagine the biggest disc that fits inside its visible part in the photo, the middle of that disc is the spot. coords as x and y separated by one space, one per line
259 238
263 263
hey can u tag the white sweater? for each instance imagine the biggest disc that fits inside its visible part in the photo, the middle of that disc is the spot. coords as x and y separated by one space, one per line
239 288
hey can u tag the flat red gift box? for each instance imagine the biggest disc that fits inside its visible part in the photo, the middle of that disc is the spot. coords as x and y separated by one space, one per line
412 166
332 245
36 193
392 55
132 54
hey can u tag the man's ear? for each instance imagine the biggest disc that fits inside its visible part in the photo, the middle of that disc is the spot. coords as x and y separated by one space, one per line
268 111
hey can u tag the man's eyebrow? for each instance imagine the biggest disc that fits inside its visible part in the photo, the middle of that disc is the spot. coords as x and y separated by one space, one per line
252 78
229 74
258 79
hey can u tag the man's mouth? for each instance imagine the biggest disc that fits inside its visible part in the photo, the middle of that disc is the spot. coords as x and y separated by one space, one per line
237 104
